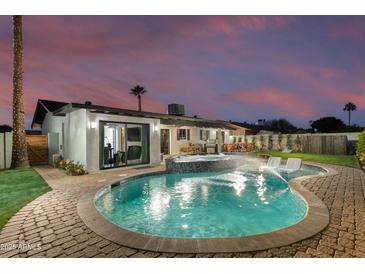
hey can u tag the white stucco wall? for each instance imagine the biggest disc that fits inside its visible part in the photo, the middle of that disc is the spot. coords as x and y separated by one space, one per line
53 124
93 136
75 136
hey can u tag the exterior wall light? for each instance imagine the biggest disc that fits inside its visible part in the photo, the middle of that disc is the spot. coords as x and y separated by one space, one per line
93 125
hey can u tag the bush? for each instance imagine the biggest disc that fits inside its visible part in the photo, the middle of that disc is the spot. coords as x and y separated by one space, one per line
71 168
270 142
249 147
75 169
60 164
280 142
360 148
289 143
253 141
262 142
297 143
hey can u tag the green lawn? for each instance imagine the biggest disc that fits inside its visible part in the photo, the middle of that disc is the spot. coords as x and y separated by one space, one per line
343 160
17 188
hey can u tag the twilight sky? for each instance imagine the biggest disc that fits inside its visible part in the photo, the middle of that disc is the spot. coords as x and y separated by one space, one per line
239 68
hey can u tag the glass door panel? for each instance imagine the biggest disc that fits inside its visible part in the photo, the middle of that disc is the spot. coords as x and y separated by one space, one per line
113 145
124 144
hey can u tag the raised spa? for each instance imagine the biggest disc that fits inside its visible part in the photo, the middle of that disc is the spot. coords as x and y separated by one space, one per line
232 203
201 163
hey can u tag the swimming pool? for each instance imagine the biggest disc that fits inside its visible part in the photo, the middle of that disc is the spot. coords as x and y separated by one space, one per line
232 203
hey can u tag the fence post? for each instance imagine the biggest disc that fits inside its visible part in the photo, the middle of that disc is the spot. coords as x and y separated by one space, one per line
4 150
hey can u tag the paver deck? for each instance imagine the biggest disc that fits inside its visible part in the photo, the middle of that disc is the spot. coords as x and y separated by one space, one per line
50 226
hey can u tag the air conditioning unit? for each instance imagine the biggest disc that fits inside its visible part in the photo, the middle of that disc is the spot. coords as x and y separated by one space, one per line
176 109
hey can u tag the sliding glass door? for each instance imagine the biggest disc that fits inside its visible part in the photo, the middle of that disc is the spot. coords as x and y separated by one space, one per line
124 144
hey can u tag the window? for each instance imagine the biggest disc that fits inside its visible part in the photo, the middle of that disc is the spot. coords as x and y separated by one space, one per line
222 135
204 134
183 134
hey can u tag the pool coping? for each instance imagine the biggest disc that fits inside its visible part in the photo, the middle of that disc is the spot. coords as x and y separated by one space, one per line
316 219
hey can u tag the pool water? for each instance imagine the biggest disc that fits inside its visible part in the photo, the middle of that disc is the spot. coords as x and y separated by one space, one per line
233 203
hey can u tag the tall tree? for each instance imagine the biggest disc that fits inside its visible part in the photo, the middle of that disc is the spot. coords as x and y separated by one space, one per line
349 107
280 125
138 91
19 150
327 124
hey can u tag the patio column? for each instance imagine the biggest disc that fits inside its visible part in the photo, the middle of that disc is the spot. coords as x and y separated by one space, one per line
220 141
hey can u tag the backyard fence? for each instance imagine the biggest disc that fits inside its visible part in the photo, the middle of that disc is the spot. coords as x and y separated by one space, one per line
6 142
320 143
37 149
325 144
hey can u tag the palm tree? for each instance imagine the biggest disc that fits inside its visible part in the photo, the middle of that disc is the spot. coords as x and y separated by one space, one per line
19 150
138 91
349 107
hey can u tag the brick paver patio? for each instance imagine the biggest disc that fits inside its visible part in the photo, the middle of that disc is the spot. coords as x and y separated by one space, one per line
50 226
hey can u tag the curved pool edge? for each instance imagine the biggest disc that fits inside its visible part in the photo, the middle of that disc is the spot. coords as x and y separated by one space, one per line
316 219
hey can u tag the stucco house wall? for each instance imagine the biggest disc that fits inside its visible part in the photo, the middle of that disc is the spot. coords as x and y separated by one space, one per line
53 124
75 136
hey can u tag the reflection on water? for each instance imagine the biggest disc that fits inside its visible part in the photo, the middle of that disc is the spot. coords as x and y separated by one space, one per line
261 188
108 202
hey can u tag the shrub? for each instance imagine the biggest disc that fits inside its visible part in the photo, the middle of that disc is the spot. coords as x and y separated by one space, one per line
297 143
280 140
61 164
270 142
360 148
75 169
253 141
289 143
262 142
70 167
249 147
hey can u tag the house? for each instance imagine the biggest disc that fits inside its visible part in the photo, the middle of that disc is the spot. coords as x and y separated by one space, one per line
102 137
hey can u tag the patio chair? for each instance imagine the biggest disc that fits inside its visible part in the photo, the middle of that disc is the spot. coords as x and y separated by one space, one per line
292 164
272 163
287 150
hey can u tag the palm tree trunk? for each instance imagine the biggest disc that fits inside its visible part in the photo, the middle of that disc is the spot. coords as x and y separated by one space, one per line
349 117
139 103
19 150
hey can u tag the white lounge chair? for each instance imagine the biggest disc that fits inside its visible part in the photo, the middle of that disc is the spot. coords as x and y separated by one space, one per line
292 164
286 150
272 163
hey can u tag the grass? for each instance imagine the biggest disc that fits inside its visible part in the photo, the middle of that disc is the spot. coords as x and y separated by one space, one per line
18 187
343 160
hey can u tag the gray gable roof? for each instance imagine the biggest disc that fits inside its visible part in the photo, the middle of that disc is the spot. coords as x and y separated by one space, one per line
164 118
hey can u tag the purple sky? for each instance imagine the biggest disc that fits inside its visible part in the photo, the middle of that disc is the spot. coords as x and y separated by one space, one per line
239 68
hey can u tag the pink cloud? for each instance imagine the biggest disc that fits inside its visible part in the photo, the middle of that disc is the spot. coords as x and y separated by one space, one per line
233 24
344 96
330 72
354 29
285 101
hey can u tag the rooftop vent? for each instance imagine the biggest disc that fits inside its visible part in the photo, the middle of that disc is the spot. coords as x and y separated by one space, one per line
88 103
176 109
